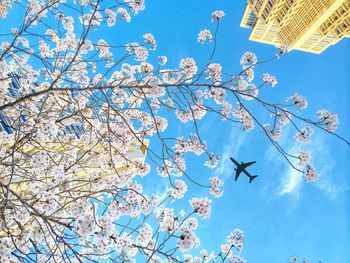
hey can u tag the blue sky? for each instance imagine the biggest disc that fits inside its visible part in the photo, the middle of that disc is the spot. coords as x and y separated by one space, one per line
281 214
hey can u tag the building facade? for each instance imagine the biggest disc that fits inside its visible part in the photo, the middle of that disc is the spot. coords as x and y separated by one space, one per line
307 25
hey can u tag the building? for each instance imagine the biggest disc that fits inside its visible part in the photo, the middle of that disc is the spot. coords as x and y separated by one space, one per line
307 25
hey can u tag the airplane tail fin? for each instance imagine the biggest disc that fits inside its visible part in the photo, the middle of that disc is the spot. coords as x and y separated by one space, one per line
251 178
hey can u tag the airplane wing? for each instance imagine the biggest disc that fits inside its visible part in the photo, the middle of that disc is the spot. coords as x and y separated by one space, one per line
247 173
238 172
245 165
234 161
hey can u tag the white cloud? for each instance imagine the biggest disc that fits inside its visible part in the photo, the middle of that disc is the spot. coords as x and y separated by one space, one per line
327 168
292 181
330 188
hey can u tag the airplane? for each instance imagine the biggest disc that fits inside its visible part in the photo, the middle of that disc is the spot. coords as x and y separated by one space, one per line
241 167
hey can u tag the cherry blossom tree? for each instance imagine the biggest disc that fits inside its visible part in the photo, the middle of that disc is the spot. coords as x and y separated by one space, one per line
72 105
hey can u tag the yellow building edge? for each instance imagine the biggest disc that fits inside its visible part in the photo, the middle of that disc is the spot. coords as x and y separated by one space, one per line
307 25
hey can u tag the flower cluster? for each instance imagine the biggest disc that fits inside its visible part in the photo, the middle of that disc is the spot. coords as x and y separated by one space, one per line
6 139
204 35
136 5
58 174
6 247
39 162
189 68
187 240
112 17
206 256
249 91
93 19
304 135
162 60
248 59
214 71
145 235
217 15
216 94
215 183
166 218
202 206
193 144
195 112
124 14
275 133
178 191
249 74
212 161
304 158
165 169
191 223
236 259
235 239
4 5
104 49
282 49
329 119
310 174
268 78
244 117
149 39
283 117
298 100
141 53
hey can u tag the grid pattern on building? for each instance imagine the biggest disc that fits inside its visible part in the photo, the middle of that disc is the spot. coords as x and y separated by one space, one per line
265 33
309 13
249 18
317 43
308 25
338 24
